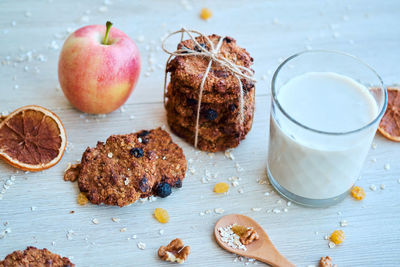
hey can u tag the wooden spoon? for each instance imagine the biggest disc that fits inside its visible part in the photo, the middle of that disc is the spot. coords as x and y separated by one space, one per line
262 249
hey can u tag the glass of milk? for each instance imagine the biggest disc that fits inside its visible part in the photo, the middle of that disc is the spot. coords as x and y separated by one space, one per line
326 107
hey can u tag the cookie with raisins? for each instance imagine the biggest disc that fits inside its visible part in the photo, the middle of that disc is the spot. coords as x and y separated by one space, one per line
128 167
35 257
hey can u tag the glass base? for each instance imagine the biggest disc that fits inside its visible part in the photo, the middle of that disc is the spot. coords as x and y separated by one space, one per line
308 202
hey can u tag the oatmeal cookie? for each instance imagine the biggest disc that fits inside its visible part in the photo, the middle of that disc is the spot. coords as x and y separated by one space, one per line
221 144
189 70
210 130
131 166
227 112
34 257
207 97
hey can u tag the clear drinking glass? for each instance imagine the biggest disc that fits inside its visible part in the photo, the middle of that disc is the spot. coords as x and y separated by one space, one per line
311 166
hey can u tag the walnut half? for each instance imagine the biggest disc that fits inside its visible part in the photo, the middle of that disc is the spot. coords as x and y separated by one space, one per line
246 234
175 251
249 236
72 172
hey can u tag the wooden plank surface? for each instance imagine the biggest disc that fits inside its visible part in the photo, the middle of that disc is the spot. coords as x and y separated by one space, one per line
37 205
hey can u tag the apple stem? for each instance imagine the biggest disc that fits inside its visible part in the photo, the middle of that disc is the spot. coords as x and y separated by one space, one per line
108 26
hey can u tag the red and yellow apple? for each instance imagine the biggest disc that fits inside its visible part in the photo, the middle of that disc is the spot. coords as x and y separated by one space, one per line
98 68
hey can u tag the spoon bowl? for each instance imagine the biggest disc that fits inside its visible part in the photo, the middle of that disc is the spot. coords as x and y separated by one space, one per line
262 249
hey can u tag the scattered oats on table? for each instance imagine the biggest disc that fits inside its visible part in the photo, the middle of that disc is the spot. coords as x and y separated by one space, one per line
219 210
141 245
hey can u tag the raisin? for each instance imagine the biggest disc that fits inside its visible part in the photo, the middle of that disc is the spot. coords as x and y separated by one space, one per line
191 101
232 107
220 73
161 215
143 186
239 229
178 183
337 237
221 188
136 152
211 114
197 48
247 85
82 199
143 133
163 190
205 13
358 192
184 48
228 39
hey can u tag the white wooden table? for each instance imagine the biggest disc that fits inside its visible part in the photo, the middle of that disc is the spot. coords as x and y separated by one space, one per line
37 205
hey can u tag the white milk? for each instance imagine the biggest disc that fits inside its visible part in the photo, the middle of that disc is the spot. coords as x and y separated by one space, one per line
313 165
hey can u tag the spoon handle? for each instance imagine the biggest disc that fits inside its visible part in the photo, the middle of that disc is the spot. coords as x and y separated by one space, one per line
275 259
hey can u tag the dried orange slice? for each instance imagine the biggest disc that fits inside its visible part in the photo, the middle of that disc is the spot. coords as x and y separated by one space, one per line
389 126
32 138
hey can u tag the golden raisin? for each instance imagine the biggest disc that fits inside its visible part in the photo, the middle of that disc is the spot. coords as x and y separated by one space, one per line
161 215
205 13
337 237
82 199
221 188
239 229
358 192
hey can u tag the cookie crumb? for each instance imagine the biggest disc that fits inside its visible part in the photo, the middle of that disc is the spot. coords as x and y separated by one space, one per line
326 262
116 220
229 155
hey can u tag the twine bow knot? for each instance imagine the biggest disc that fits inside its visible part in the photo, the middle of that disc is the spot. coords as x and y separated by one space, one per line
214 56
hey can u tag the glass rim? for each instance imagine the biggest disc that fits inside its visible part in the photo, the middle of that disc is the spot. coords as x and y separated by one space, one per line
275 98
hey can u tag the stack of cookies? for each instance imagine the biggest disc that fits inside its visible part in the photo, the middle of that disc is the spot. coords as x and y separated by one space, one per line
220 123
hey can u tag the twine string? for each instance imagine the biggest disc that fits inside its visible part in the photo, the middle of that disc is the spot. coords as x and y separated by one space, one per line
238 71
